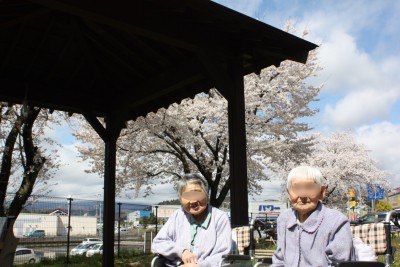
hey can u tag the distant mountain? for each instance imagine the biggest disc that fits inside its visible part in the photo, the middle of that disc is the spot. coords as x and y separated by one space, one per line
79 207
170 202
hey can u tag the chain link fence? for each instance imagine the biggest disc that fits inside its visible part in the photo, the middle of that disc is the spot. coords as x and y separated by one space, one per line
54 226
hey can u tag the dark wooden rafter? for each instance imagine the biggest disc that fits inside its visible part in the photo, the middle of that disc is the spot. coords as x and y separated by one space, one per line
39 48
148 104
165 82
113 55
24 18
87 57
135 25
10 52
120 46
61 56
96 125
216 72
165 28
151 53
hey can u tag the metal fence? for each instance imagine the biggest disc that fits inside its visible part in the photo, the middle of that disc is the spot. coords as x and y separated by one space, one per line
54 226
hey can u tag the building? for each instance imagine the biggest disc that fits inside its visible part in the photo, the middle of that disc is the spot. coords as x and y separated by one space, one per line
268 209
165 211
135 216
55 225
394 198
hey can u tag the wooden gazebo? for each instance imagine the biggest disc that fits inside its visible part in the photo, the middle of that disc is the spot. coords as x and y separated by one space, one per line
122 59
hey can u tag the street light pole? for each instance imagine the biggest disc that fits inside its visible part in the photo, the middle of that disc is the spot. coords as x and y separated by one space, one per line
69 225
119 226
156 218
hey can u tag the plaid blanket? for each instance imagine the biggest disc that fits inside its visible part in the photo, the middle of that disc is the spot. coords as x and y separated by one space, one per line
242 238
372 234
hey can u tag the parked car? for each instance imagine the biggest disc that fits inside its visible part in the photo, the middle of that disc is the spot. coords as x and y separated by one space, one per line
91 240
372 217
375 217
81 249
36 233
122 231
96 249
25 255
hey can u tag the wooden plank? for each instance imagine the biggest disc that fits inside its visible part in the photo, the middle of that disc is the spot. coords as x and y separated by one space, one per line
264 253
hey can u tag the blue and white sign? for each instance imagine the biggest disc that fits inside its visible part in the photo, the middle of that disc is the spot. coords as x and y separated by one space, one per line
375 193
268 208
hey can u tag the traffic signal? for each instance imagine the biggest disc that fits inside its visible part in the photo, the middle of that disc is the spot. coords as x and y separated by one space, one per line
352 195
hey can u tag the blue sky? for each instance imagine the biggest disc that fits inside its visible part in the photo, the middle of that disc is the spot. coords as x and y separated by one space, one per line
360 56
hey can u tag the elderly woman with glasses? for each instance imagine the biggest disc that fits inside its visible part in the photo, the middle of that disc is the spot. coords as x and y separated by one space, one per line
197 234
310 234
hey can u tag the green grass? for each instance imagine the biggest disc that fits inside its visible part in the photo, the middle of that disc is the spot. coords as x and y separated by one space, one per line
396 245
127 258
139 259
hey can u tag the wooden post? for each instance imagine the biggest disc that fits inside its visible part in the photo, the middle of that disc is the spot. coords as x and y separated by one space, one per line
113 131
110 134
148 239
237 144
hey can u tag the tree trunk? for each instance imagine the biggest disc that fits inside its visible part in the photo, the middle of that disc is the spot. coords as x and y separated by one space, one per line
34 163
6 162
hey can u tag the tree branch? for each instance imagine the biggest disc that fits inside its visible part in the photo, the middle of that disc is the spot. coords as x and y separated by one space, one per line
6 162
34 163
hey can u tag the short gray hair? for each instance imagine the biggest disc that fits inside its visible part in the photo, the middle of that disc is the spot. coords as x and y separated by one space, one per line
305 172
192 178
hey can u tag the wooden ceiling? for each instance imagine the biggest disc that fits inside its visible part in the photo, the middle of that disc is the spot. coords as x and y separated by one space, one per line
128 57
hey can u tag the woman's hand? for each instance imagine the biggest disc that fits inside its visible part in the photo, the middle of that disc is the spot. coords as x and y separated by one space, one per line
189 257
189 265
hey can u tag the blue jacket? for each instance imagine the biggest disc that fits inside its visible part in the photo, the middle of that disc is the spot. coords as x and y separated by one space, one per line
325 237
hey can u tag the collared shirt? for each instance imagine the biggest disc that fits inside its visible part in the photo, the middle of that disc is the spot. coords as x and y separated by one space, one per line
210 243
194 228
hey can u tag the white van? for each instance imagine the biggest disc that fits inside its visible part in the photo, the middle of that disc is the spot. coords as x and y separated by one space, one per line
91 240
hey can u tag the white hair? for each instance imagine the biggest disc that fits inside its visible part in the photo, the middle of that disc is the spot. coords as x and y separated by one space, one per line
192 178
306 173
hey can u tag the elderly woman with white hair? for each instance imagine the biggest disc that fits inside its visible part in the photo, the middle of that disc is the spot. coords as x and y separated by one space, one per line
310 234
197 234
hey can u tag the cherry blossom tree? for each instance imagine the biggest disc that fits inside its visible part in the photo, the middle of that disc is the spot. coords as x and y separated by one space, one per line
192 136
28 158
345 164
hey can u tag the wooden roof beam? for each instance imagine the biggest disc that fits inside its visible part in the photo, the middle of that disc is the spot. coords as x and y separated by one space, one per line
100 14
11 49
61 56
38 48
111 54
24 18
119 45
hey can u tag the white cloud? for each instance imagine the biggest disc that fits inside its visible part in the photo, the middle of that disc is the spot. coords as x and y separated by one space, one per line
72 178
360 107
383 141
368 88
272 190
346 68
